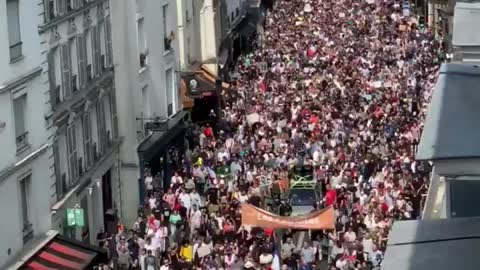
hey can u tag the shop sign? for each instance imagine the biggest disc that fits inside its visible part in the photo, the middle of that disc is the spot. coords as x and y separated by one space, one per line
75 217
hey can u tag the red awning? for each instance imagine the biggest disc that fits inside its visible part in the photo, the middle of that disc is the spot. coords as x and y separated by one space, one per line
61 254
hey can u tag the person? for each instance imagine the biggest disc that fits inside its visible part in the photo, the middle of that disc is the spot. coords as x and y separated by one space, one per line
342 92
186 251
307 254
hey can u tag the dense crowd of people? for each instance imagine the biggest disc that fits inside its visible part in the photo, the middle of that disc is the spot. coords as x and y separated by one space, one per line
341 86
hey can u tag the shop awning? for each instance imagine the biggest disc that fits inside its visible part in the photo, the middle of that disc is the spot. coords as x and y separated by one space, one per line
60 253
159 140
199 83
246 28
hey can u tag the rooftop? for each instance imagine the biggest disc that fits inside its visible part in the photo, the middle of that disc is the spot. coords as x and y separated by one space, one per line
451 130
440 245
466 16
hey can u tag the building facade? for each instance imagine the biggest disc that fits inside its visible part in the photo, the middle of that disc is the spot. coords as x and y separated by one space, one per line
25 154
82 117
145 45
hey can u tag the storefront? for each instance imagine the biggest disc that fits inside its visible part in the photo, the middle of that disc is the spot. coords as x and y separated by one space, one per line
162 151
95 200
58 252
206 91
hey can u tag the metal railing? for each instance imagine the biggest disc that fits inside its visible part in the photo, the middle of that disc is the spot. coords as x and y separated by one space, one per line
27 232
15 51
22 140
167 43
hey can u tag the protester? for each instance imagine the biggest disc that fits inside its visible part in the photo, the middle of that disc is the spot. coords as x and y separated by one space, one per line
340 86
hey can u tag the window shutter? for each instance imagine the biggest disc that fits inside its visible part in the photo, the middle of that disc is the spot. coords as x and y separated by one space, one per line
98 52
58 178
66 80
82 67
108 43
94 62
51 77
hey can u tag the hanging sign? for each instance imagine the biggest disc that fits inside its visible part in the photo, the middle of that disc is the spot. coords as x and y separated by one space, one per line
75 217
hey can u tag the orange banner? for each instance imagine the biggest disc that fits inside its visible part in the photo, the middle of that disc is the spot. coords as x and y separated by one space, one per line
319 220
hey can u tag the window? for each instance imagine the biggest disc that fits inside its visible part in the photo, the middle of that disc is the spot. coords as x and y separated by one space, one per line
87 139
85 229
14 36
237 12
82 60
101 128
25 206
75 4
145 101
463 198
73 69
108 44
113 109
60 184
19 110
167 40
62 6
232 16
49 10
96 53
170 92
72 154
189 57
66 71
141 42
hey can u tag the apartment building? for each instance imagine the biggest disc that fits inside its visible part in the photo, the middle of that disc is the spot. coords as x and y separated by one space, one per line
82 117
145 45
24 157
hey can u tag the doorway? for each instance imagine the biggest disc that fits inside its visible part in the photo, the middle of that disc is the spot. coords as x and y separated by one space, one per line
109 215
202 107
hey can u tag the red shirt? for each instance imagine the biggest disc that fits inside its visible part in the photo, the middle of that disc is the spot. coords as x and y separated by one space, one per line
208 132
330 197
268 231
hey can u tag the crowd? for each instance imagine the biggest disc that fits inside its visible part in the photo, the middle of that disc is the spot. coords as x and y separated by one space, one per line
339 85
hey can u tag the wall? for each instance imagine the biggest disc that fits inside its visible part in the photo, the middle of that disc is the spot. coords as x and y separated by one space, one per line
12 225
30 161
29 20
457 167
132 81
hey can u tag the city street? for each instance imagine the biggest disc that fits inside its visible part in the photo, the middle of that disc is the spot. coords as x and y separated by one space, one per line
158 135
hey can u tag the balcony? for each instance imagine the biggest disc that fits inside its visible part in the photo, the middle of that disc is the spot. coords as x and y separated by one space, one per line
167 42
63 106
85 179
143 75
22 141
71 11
27 232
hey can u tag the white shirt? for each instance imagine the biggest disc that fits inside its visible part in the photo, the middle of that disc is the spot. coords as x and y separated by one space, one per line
185 199
176 180
152 202
149 182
